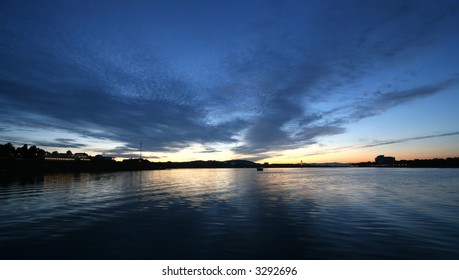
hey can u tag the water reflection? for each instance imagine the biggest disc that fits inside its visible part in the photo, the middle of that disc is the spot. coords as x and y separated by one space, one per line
232 213
196 188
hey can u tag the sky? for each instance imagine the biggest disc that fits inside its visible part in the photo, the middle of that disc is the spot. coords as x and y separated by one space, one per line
268 81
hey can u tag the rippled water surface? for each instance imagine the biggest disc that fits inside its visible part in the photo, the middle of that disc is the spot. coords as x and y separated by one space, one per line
309 213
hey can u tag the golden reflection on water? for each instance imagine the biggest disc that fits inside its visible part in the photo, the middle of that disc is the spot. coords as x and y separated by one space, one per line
195 187
57 180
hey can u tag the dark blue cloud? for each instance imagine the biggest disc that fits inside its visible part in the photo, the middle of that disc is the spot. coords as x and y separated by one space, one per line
61 143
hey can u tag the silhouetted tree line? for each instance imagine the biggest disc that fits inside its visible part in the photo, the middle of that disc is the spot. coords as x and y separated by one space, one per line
32 159
8 151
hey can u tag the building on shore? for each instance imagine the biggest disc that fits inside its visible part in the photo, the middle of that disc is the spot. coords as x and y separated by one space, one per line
58 156
81 156
383 160
102 158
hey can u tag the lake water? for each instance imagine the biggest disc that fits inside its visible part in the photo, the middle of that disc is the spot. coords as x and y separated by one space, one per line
309 213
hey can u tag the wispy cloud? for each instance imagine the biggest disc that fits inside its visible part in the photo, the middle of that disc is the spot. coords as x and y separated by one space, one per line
402 140
383 101
381 143
207 150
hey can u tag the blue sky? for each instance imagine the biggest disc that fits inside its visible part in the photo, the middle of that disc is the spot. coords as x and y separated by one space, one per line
278 81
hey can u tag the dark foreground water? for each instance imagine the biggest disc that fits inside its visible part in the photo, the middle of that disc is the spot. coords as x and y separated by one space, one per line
310 213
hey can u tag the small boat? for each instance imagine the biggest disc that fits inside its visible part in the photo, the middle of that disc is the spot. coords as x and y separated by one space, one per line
259 168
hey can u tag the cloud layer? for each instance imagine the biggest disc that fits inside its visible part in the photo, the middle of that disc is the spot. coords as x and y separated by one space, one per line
172 76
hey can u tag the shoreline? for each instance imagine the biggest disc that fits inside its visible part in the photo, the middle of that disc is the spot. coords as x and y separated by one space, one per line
33 165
